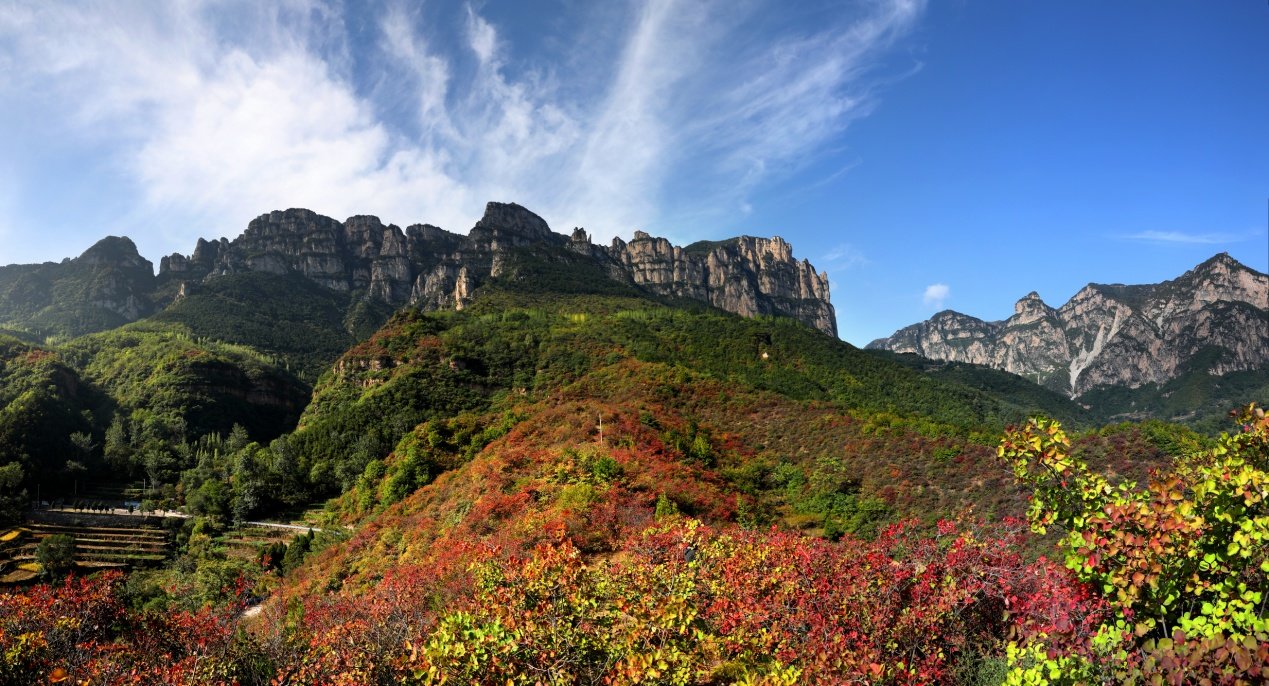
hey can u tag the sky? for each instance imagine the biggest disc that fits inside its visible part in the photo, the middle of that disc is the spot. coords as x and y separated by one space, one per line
955 154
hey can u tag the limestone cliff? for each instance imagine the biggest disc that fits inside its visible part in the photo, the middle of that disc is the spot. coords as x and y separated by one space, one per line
433 268
746 275
1216 314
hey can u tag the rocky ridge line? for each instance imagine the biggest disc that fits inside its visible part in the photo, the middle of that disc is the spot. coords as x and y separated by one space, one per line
1113 335
429 267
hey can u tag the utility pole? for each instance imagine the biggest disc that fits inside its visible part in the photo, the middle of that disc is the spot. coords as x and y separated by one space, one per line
601 429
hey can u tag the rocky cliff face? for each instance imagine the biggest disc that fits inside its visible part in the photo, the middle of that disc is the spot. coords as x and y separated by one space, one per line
746 275
1114 335
432 268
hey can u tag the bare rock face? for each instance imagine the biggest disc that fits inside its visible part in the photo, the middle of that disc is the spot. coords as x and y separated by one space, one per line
508 225
432 268
746 275
1113 335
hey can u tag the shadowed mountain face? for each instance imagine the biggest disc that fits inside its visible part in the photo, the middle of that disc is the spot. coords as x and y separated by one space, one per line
109 285
1213 320
434 269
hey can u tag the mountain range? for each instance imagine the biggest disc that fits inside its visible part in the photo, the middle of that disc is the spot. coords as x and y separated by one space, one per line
302 288
380 268
1107 340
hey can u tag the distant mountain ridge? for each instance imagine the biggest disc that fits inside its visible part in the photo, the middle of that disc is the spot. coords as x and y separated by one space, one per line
1215 316
431 268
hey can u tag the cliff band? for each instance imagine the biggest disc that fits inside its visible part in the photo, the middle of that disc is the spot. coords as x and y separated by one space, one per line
432 268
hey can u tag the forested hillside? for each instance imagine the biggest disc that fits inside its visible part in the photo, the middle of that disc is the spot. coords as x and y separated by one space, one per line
571 480
45 423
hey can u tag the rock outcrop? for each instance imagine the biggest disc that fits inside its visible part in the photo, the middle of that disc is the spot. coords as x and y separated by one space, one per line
1216 314
120 277
433 268
746 275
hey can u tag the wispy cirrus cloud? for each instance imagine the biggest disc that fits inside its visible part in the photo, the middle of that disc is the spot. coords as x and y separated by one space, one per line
1190 237
843 256
210 111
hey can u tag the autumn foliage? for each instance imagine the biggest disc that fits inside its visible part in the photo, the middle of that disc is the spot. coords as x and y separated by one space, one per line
1184 561
685 603
690 604
1161 584
627 529
81 632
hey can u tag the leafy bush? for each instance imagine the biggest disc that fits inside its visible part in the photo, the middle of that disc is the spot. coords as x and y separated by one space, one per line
56 554
1184 560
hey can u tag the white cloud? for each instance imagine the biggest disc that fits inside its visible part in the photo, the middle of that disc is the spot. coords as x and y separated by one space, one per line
217 110
935 295
786 99
1184 237
481 36
430 74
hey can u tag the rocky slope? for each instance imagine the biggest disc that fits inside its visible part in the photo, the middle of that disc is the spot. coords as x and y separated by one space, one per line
1215 315
435 269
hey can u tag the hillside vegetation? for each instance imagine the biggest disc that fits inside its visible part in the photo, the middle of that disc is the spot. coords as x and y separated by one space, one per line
44 422
568 481
509 347
301 324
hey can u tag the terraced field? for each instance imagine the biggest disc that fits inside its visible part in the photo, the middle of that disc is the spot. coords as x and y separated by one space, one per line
247 543
12 571
96 547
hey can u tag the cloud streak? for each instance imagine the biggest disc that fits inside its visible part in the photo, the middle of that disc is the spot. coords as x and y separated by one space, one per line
844 256
212 111
1187 237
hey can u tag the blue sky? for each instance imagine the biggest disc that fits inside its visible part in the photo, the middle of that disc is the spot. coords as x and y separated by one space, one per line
952 154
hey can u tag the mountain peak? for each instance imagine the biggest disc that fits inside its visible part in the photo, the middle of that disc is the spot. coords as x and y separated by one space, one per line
430 268
1222 256
503 220
1115 334
1220 262
1029 303
952 317
115 251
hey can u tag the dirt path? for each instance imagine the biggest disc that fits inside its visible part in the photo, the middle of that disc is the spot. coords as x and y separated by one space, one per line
124 512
